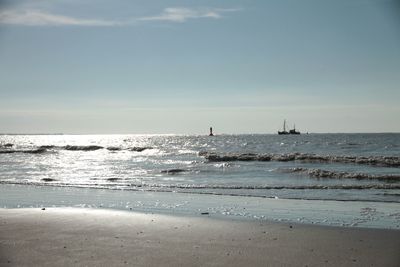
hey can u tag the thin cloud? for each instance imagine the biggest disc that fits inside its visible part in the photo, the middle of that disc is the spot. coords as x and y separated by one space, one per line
32 17
181 14
40 18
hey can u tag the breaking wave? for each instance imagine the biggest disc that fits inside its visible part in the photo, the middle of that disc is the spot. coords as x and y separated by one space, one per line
262 187
8 145
28 151
146 187
6 149
82 148
319 173
174 171
139 149
386 161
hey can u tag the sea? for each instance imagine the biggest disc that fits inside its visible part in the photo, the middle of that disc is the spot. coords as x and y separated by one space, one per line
360 170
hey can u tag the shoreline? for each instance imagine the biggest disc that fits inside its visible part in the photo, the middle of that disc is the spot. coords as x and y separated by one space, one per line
98 237
312 212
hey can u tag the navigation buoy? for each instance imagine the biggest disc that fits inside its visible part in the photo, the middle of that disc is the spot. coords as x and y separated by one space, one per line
211 133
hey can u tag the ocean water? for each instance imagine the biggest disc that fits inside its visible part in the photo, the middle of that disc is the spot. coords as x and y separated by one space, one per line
339 167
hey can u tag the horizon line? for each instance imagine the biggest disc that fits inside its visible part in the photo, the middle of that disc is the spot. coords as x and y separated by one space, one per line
197 134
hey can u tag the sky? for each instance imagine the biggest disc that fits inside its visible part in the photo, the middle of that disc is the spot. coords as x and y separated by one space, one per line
241 66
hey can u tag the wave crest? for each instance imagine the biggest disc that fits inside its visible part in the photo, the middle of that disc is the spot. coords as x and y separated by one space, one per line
28 151
319 173
82 148
6 149
200 187
371 160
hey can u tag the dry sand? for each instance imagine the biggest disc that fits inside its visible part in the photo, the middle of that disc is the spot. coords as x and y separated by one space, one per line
89 237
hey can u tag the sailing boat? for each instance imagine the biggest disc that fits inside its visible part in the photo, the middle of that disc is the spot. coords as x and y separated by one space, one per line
292 131
284 128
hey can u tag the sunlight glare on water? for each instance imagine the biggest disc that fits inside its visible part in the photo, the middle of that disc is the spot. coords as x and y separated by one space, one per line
361 167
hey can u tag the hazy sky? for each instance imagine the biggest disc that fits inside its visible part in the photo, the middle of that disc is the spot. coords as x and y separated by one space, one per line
241 66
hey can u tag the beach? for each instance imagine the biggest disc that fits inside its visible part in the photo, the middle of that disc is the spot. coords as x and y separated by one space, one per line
199 133
96 237
172 200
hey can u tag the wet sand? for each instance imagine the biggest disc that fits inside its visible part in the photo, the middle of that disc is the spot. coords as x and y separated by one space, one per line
93 237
